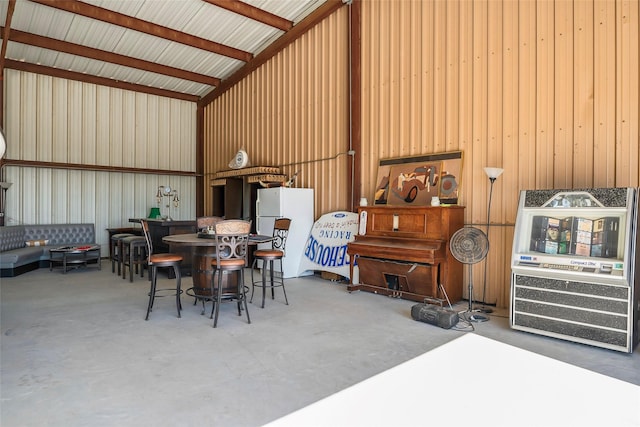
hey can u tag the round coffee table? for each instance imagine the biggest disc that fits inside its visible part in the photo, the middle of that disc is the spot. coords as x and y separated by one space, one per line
70 257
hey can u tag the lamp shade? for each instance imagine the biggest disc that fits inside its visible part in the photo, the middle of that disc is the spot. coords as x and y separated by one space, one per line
155 213
493 173
3 144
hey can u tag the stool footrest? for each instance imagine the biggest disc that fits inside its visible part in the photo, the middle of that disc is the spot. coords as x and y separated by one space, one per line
166 292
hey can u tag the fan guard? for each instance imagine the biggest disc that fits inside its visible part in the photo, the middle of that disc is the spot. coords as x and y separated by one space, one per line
469 245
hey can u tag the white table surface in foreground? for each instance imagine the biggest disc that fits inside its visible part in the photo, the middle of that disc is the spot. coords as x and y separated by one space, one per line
475 381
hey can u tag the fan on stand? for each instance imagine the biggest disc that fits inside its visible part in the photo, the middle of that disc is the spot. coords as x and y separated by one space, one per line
470 245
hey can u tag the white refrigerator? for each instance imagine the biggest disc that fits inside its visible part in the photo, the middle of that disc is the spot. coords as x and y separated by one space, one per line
296 204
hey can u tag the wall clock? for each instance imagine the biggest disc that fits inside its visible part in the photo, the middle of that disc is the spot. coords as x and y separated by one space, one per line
240 160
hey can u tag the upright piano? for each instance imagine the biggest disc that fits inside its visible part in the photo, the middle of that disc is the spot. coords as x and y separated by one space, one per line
403 251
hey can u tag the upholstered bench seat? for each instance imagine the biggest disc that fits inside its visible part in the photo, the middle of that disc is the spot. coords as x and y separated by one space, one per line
21 256
26 247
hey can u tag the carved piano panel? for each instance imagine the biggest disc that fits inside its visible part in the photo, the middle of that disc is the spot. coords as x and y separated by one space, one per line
404 252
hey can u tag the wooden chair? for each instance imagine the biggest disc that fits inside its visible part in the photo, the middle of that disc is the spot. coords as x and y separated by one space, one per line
231 240
155 261
268 258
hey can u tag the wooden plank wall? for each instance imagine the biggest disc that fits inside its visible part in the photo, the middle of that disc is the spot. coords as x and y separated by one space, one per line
546 89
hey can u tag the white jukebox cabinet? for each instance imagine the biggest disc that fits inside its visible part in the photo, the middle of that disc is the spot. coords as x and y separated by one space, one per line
573 268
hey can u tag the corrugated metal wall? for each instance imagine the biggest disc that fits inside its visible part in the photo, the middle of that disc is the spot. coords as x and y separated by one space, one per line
56 120
292 112
546 89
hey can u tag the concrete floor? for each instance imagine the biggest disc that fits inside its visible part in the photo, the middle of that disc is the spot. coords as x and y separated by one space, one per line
76 351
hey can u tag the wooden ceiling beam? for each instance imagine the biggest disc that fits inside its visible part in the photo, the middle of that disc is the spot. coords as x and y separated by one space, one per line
3 51
97 168
5 34
135 24
103 81
103 55
252 12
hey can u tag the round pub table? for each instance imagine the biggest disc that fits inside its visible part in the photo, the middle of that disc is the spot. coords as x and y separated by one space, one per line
203 251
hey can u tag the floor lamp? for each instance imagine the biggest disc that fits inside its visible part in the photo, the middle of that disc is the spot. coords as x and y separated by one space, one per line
4 185
493 174
3 201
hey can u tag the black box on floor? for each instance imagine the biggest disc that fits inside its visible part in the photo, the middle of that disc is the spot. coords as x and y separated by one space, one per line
435 315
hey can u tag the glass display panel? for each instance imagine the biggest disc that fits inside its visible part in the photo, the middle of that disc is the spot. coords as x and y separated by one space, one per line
573 232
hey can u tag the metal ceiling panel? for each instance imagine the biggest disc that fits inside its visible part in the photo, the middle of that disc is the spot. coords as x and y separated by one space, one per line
194 17
226 27
294 11
41 20
168 13
65 61
95 34
129 7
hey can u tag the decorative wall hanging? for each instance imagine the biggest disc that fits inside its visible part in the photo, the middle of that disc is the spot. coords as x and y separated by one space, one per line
415 180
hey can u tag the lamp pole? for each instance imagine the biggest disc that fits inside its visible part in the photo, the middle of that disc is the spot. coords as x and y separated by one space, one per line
5 185
3 200
493 174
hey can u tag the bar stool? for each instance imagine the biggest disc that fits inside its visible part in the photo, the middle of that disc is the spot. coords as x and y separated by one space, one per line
115 249
155 261
133 255
269 256
232 239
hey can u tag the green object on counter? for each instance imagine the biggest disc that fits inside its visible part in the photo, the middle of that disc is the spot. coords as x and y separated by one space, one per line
155 213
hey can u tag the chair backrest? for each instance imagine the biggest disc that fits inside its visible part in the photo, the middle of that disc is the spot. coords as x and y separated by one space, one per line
204 222
147 237
232 239
280 233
